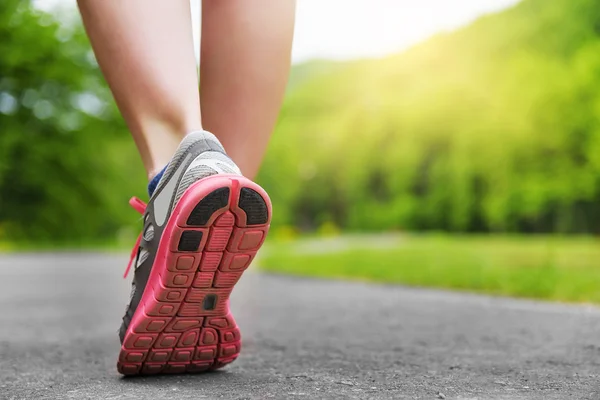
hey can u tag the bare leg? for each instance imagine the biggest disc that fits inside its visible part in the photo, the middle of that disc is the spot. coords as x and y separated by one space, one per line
244 66
146 52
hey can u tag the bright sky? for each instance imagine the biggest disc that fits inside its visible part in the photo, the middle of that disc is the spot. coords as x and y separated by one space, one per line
346 29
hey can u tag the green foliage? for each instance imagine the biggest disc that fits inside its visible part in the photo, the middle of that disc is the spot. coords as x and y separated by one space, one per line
552 268
62 175
495 127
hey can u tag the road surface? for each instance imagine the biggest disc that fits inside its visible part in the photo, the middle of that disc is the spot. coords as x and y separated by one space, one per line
303 339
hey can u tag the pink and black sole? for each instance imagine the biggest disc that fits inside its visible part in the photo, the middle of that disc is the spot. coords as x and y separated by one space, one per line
183 321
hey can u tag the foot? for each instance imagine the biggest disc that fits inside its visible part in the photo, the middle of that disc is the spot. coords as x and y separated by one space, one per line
202 228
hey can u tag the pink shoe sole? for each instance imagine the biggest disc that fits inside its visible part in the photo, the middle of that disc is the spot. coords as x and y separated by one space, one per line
183 322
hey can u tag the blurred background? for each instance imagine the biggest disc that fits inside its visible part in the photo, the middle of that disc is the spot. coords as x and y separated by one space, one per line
432 143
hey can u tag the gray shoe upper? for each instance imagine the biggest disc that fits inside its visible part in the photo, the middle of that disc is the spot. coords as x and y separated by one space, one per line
199 155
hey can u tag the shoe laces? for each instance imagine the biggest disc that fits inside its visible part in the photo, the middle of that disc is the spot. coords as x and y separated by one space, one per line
140 207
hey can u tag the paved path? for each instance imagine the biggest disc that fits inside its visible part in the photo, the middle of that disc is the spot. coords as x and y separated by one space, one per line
303 339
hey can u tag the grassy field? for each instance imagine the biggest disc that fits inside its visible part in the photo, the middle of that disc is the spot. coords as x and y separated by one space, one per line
543 267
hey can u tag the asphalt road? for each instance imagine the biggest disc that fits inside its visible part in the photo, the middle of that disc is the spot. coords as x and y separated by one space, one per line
302 339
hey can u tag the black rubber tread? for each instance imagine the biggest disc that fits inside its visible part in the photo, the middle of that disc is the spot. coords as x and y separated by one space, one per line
255 207
210 302
213 201
189 241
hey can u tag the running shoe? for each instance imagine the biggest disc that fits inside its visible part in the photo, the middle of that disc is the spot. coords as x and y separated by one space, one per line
202 227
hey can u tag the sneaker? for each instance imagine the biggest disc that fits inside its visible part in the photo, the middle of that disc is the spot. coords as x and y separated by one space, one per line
203 225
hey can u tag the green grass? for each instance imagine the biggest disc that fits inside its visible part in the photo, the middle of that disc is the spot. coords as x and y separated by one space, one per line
553 268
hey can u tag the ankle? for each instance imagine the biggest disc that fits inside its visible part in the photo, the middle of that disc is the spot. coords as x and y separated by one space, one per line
158 139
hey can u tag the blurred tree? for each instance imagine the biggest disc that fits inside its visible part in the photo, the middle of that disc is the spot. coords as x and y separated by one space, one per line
66 162
495 127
